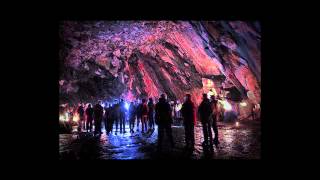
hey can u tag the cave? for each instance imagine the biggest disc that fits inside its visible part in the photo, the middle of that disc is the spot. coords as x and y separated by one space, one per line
133 60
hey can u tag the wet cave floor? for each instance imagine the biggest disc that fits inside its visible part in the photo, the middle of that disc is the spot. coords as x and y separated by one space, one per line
236 142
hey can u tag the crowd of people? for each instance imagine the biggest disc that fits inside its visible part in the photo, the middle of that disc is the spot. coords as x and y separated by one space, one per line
115 115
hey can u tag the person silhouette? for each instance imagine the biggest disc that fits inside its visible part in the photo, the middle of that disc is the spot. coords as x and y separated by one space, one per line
144 114
187 112
214 107
132 115
98 115
151 113
122 116
89 114
205 113
81 117
163 119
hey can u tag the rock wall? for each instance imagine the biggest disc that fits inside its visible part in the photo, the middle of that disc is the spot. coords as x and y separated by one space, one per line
130 59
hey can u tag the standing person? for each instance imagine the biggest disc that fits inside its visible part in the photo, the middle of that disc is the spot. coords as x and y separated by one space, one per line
214 106
116 115
106 118
111 118
139 113
132 115
205 113
187 112
151 113
144 114
81 117
122 116
98 115
89 114
163 120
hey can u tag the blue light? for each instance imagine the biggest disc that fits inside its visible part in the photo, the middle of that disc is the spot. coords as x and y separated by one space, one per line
126 105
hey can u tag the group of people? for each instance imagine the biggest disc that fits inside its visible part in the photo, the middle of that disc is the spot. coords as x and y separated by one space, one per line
149 114
117 114
207 113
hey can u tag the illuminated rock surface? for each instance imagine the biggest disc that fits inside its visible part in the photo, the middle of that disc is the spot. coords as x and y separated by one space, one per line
109 59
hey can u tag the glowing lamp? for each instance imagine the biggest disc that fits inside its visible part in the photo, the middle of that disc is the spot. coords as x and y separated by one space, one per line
67 117
243 104
226 105
126 105
61 118
75 118
179 106
237 124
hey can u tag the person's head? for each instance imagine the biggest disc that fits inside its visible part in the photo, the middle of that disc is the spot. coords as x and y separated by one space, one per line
204 96
143 100
99 102
150 99
163 96
188 97
213 98
89 105
121 100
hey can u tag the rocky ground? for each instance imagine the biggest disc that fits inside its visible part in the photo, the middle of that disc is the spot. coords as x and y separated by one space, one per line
236 142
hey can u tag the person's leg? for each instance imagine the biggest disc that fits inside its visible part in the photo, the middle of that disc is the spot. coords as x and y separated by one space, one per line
210 134
132 125
100 125
111 125
120 120
169 130
142 124
146 123
117 122
215 130
79 125
138 122
160 137
95 125
124 124
205 133
192 135
169 133
90 124
186 131
152 121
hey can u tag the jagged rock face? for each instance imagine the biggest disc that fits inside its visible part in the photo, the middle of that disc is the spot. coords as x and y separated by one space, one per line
139 59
